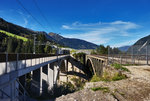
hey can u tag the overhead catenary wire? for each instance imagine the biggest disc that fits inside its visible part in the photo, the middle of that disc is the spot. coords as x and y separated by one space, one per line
40 11
30 13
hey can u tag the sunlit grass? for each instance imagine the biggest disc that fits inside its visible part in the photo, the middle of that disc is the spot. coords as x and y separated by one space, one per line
13 35
104 89
119 66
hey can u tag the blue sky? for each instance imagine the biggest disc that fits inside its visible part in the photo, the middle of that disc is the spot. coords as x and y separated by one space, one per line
108 22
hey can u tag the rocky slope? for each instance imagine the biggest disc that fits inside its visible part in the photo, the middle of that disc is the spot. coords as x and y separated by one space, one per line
134 88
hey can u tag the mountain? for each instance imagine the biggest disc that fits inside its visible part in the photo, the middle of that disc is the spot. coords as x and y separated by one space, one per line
53 37
124 48
72 42
139 47
143 40
12 28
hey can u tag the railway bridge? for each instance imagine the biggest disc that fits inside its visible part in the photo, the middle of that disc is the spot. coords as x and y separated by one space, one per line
39 72
95 64
18 70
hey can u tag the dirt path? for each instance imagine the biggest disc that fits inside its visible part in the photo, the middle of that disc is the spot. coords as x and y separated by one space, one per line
135 88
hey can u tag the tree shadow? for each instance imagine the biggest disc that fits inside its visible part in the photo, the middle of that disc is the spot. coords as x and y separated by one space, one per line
77 74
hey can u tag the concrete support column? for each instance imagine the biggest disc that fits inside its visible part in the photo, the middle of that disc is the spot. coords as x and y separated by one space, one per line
66 65
50 76
55 73
37 81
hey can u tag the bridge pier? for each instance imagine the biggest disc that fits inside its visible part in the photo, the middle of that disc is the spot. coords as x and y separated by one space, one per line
50 76
37 81
44 78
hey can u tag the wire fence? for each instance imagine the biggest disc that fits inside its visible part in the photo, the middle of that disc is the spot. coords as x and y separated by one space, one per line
138 54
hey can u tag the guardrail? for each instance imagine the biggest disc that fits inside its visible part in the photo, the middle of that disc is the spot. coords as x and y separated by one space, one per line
12 62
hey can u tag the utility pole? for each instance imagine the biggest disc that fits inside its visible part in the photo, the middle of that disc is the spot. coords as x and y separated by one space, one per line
34 44
57 54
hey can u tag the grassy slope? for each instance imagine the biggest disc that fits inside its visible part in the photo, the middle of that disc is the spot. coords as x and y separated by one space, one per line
13 35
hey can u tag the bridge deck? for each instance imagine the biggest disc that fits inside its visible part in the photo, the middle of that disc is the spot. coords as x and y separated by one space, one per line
14 69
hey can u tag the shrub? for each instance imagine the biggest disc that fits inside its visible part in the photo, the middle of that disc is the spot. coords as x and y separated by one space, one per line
107 77
78 83
118 76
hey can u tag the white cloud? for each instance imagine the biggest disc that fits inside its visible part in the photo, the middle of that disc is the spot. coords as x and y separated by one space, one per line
65 27
101 32
24 17
25 22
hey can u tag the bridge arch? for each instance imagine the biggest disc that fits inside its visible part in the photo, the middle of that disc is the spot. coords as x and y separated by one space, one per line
90 67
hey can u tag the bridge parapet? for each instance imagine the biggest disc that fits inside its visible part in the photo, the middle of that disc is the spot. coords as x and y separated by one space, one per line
16 62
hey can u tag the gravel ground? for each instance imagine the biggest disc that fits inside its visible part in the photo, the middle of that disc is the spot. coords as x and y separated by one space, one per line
135 88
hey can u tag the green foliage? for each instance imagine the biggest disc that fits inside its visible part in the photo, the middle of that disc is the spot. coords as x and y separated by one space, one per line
102 50
78 83
48 49
80 57
72 51
130 64
107 77
19 46
11 45
104 89
93 52
118 76
13 35
119 66
68 87
95 78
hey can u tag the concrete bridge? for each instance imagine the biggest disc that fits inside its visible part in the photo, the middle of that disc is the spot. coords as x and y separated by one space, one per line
41 71
95 64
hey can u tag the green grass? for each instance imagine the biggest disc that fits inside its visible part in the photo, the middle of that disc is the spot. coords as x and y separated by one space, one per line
95 78
119 66
118 76
107 77
104 89
13 35
130 64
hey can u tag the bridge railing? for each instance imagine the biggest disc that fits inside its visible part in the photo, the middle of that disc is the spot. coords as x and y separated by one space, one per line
136 54
12 62
129 59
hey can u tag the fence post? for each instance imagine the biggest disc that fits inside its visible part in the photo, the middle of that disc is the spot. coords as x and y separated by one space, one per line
120 59
132 55
147 54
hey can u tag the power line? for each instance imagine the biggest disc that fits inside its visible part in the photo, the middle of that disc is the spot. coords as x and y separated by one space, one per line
29 13
41 12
